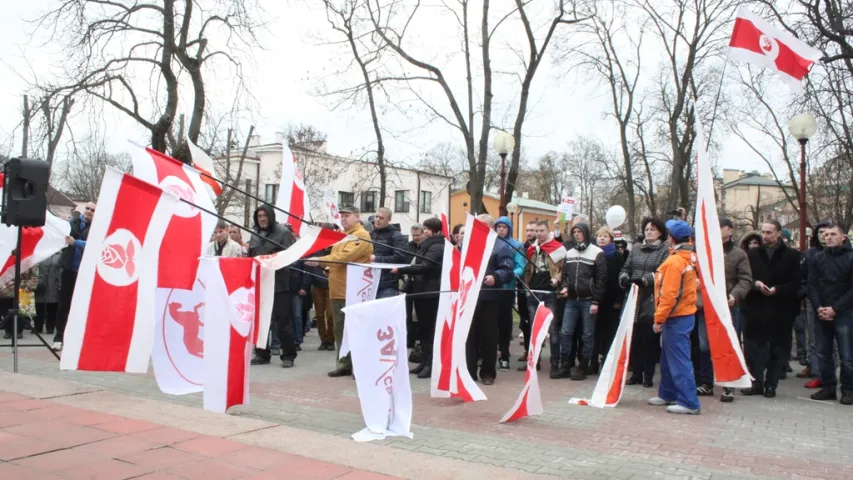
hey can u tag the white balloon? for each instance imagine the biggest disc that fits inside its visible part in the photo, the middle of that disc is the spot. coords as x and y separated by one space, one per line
615 217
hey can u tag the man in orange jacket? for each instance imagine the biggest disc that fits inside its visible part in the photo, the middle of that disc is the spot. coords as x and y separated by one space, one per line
675 309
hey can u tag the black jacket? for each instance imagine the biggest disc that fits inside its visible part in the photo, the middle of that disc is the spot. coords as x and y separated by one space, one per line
815 247
615 294
501 265
770 318
275 232
831 279
319 279
585 270
389 235
79 231
425 275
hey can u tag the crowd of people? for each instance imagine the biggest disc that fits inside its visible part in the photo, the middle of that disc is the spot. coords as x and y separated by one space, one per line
777 296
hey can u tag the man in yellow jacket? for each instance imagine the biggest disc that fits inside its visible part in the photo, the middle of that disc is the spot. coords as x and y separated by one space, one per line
353 251
675 310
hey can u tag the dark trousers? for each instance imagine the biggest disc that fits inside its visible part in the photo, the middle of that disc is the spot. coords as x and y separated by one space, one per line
5 306
606 323
765 360
505 304
282 318
427 310
839 330
483 337
46 316
412 334
67 281
524 322
645 351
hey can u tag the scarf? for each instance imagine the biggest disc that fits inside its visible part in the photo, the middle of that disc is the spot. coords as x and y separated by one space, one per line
609 250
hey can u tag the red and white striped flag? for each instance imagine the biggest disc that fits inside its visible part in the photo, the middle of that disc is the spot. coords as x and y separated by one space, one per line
442 359
611 381
37 243
530 400
292 194
111 322
189 230
726 354
758 42
238 297
313 239
204 164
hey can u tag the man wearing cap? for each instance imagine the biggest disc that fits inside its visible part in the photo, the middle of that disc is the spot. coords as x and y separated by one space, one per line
675 307
352 251
769 309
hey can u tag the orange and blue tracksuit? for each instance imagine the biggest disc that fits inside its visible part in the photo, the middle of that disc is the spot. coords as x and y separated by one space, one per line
675 309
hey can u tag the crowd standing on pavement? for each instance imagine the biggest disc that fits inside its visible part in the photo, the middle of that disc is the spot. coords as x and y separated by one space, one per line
775 294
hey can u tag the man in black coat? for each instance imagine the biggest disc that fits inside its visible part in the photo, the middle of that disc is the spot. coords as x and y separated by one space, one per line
769 309
830 291
269 238
483 336
385 236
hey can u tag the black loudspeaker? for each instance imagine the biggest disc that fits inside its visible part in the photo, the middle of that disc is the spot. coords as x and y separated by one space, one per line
25 192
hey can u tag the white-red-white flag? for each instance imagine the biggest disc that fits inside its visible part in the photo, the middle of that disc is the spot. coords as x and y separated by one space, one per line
726 353
312 239
179 332
111 322
238 295
530 399
611 381
204 164
331 209
292 194
37 243
756 41
442 359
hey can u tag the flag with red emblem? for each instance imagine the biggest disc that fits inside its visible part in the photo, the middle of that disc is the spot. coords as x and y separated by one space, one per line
111 322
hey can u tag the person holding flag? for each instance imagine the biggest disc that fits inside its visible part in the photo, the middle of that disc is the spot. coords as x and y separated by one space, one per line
675 308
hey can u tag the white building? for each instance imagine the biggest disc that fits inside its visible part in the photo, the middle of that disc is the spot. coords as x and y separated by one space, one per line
412 195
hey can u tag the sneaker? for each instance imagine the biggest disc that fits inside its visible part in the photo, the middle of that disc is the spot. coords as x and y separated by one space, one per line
728 395
678 409
705 390
846 399
260 361
813 383
659 402
504 365
287 364
824 394
275 352
57 346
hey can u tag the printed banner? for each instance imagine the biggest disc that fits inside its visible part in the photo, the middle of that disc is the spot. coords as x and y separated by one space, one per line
726 354
378 347
564 210
530 400
611 381
363 280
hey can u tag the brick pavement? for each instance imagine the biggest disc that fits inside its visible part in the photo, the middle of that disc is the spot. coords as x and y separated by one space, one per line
47 440
786 437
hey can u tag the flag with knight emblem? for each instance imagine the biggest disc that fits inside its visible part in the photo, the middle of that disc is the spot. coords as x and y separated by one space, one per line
111 322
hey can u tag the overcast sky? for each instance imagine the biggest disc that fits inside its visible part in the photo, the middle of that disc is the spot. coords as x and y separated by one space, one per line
285 74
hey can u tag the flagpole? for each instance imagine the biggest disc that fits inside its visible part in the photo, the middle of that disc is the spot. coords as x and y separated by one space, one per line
519 278
716 102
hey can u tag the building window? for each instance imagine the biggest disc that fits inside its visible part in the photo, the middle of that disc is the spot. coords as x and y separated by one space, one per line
368 202
401 201
346 198
271 191
426 202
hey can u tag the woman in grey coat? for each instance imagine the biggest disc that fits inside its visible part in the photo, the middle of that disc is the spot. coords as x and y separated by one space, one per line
47 294
640 268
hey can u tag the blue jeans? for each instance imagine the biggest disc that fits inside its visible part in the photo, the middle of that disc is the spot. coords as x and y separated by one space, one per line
706 367
387 293
577 312
296 317
551 304
677 383
841 331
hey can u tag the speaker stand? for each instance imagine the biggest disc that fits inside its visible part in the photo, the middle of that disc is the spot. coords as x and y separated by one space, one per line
12 315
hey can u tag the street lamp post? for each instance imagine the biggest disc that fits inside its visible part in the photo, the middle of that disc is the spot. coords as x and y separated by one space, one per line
512 208
802 127
503 144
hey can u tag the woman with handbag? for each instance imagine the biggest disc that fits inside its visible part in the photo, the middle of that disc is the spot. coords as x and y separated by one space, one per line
644 260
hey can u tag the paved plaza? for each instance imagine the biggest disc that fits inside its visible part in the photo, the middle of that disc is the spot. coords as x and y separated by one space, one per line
306 417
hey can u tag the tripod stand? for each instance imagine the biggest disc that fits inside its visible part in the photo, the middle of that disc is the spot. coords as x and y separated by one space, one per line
12 315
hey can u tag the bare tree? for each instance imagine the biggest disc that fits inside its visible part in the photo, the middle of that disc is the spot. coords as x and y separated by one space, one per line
345 18
81 172
130 55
